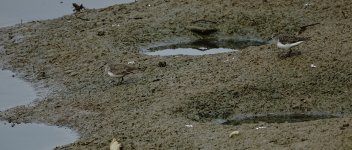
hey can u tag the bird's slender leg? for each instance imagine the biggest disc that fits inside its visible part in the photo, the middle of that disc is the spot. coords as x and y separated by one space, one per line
289 53
111 81
121 79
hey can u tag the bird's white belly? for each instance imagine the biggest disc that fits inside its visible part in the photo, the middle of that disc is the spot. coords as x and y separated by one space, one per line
114 75
289 45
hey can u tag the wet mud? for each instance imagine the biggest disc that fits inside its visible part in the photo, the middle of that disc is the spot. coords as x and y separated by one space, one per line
172 106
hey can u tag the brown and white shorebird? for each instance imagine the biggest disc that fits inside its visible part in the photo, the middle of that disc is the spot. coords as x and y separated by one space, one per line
119 71
114 145
287 41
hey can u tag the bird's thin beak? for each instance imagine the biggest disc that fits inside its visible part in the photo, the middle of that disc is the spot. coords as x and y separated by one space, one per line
103 65
270 40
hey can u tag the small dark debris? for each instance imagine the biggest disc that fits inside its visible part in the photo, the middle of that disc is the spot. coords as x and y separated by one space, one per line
162 64
155 80
203 21
344 15
13 76
344 126
41 75
101 33
137 18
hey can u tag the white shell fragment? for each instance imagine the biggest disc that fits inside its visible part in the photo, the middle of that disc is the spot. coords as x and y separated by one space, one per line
189 126
234 133
260 127
115 145
313 66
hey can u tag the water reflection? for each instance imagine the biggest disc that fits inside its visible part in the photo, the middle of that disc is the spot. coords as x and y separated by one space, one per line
202 47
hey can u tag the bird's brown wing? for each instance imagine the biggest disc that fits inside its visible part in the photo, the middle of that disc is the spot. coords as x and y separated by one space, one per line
130 69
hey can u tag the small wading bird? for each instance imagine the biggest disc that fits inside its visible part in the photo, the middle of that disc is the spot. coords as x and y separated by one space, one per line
114 145
287 42
119 70
77 8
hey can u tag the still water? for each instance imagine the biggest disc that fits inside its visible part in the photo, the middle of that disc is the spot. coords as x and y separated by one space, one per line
34 136
13 91
202 47
13 11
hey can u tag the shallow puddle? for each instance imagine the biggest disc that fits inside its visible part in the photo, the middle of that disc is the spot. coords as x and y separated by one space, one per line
13 91
202 47
189 51
34 136
14 11
277 118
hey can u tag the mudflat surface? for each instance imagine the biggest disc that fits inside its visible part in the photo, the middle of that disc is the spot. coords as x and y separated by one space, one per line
151 109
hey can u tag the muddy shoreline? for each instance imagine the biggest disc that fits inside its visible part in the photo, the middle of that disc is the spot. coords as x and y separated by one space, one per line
153 107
